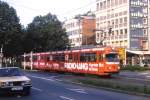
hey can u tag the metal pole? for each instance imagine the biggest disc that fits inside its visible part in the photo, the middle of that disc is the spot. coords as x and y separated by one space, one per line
24 62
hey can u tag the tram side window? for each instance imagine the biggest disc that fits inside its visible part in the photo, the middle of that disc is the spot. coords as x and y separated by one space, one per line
75 57
88 57
42 57
62 57
55 57
59 57
100 57
34 58
70 59
48 58
51 58
27 58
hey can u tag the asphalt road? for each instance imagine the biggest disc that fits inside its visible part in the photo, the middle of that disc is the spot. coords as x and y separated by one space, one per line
139 75
48 86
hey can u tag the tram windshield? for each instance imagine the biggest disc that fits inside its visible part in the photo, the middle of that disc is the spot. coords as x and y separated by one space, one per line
112 57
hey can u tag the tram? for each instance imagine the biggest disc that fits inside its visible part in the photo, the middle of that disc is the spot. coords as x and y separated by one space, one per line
97 60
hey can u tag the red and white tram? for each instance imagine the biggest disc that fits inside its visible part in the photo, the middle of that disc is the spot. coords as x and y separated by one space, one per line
98 61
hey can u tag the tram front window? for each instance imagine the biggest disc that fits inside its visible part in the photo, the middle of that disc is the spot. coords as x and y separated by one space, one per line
112 57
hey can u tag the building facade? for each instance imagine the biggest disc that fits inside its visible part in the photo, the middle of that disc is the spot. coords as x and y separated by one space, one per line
80 30
128 20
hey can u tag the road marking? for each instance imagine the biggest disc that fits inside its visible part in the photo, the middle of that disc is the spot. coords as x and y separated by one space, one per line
48 79
148 76
66 98
78 90
42 78
58 80
143 73
138 79
36 89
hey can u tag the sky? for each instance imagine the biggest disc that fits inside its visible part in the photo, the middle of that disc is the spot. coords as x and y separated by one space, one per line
64 9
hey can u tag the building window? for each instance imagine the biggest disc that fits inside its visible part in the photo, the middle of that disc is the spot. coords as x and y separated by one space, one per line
125 31
120 2
121 32
125 13
108 3
116 2
116 32
120 14
125 19
145 32
97 7
145 21
112 3
116 14
124 1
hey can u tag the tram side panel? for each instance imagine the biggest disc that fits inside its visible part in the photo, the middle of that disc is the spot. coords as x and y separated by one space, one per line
90 62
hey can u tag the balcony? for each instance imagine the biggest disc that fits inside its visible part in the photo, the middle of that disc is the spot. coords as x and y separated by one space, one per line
138 4
134 26
118 37
138 14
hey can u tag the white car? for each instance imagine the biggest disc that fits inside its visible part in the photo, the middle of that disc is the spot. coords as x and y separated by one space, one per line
13 80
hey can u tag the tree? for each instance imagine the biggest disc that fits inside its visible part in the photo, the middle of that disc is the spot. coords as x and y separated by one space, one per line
10 30
45 33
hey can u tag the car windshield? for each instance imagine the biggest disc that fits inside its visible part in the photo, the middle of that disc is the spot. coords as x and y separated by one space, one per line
112 57
6 72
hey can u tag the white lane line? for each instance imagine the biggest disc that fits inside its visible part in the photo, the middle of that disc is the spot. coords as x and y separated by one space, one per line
78 90
42 78
36 89
144 73
66 98
47 78
148 76
58 80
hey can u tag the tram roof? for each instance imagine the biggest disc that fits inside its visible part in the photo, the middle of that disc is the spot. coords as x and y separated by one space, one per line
76 49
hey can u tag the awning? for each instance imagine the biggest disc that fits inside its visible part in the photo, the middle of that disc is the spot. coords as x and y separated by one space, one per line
139 52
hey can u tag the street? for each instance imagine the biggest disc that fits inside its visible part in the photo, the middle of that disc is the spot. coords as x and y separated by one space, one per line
138 75
48 86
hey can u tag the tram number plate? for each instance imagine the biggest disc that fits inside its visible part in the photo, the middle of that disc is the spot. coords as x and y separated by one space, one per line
17 88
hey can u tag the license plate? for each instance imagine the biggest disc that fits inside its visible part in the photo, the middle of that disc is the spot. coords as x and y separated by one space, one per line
17 88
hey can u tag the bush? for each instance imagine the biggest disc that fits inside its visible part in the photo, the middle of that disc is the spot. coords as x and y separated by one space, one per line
117 85
135 68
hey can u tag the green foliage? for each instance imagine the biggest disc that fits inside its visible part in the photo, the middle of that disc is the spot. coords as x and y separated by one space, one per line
10 30
134 68
117 85
45 33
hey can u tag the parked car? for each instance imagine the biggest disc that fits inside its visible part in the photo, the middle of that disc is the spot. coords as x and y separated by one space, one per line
13 80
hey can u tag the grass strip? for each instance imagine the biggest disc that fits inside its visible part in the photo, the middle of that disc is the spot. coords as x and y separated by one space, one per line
136 88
